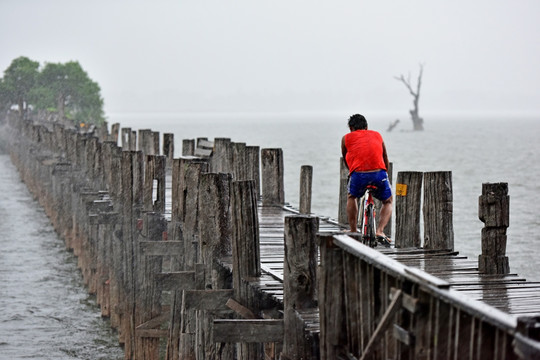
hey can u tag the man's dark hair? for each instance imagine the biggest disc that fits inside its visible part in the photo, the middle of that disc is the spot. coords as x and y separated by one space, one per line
358 122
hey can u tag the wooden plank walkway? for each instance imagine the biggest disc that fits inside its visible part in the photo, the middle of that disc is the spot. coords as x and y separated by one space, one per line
509 293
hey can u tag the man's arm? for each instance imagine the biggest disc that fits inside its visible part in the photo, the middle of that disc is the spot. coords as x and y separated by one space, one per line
385 157
344 151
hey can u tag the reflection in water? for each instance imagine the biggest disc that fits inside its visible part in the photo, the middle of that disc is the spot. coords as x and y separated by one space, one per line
45 312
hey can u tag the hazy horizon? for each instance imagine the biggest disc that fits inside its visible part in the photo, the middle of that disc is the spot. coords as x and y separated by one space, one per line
292 57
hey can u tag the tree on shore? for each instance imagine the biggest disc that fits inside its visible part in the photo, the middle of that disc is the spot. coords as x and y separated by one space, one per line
418 122
68 89
18 81
62 88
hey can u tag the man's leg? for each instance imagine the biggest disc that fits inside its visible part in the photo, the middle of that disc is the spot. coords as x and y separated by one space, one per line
384 216
352 212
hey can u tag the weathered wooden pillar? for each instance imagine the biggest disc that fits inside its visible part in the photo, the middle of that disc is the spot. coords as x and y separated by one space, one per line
128 230
408 202
132 180
177 193
273 192
145 141
192 175
343 181
188 147
331 298
438 210
306 180
214 244
214 223
494 212
245 251
193 171
148 295
129 139
299 281
239 161
222 156
115 130
154 184
253 170
168 148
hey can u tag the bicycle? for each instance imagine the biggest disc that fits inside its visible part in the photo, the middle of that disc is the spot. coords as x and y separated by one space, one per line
368 225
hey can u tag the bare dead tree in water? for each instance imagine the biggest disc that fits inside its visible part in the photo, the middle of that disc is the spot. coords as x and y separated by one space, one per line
418 122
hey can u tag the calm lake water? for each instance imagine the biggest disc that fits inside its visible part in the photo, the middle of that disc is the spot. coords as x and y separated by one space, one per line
46 313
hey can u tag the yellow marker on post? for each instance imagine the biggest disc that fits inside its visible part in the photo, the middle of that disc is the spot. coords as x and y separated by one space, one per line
401 189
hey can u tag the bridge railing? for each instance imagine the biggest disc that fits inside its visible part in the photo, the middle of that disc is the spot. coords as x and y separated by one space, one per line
373 307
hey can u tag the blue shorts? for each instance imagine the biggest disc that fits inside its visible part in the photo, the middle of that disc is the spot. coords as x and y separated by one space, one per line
358 182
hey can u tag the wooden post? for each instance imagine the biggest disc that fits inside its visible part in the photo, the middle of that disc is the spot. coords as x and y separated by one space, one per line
299 281
253 167
168 148
214 243
438 210
494 212
331 299
245 251
188 147
129 139
154 184
306 179
343 182
148 294
408 201
192 175
222 156
115 129
273 192
239 161
214 223
146 142
127 335
245 232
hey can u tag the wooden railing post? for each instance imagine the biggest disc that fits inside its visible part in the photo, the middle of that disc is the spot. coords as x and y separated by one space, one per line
494 212
438 210
299 281
273 192
408 203
343 181
331 298
306 180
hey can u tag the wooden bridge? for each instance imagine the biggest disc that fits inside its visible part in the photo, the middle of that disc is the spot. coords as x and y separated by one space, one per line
197 257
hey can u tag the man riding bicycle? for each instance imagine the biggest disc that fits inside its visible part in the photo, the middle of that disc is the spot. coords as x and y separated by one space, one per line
365 156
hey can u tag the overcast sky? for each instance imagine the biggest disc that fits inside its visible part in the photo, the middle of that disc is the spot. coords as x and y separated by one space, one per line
280 56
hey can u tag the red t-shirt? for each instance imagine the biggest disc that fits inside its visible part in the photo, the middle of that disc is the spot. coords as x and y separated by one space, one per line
364 151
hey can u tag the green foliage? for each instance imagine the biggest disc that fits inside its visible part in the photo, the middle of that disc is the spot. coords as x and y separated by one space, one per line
64 87
19 79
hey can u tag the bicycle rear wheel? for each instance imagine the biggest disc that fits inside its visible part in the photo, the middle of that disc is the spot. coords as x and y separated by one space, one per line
369 236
